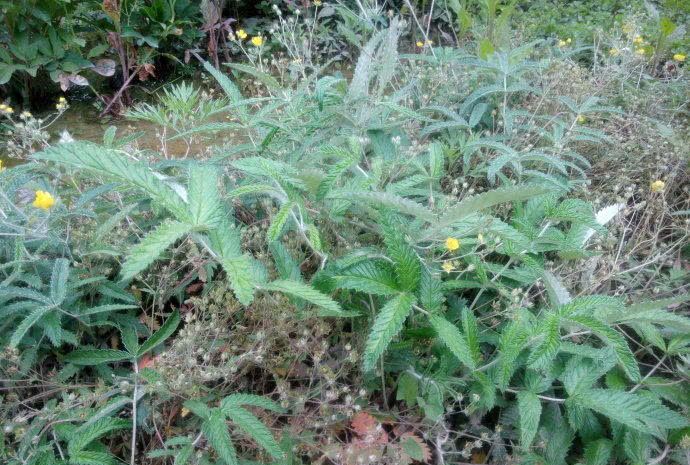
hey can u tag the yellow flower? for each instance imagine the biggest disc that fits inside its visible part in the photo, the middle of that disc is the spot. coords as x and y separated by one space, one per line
429 42
447 267
242 34
627 28
638 40
43 200
62 100
452 244
581 119
480 238
25 115
257 41
640 51
657 186
562 43
568 40
614 52
679 57
317 2
6 109
420 44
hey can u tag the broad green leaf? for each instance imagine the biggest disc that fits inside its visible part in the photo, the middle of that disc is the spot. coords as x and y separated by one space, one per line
162 334
369 277
58 280
529 407
204 199
216 431
451 336
387 325
96 356
27 323
151 247
279 221
305 292
255 429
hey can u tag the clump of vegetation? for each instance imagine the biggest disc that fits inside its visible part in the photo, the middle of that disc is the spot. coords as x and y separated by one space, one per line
474 249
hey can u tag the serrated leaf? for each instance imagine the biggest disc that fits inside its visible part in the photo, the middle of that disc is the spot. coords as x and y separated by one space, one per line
451 336
241 280
85 435
305 292
279 221
387 325
612 337
27 323
547 349
216 431
598 452
251 400
162 334
529 407
635 411
368 277
58 280
96 356
204 199
407 265
152 246
255 429
430 292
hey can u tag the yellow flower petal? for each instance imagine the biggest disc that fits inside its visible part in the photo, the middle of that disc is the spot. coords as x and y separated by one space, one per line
447 267
452 244
257 41
679 57
420 44
44 200
242 34
657 186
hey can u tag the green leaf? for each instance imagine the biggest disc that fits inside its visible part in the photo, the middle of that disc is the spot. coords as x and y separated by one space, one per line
152 246
106 309
598 452
408 389
369 277
115 164
407 265
529 407
162 334
476 203
279 221
638 412
613 338
241 280
85 435
547 349
58 280
96 356
469 326
239 400
387 325
230 89
451 336
91 457
430 291
308 293
254 428
27 323
216 431
204 199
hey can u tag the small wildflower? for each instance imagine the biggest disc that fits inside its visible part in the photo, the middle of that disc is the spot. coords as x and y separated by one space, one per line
7 110
480 238
25 115
638 40
657 186
257 41
562 43
44 200
420 44
242 34
581 119
447 267
640 51
317 2
614 52
679 57
429 42
452 244
62 104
